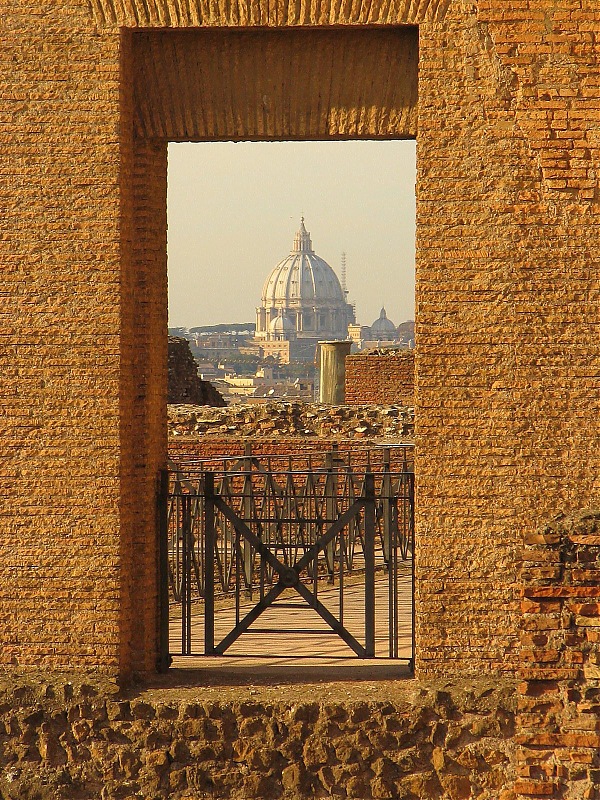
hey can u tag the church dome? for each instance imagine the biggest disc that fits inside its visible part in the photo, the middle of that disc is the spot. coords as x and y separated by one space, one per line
302 278
383 328
282 324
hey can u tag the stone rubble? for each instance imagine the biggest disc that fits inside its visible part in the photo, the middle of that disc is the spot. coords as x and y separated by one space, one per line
387 423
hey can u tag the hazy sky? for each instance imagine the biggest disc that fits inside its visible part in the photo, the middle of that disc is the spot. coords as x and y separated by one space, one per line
233 210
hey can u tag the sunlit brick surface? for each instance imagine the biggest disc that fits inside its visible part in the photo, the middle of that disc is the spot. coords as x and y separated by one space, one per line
507 311
381 379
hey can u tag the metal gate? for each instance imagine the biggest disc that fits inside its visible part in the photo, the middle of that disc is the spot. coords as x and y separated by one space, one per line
282 534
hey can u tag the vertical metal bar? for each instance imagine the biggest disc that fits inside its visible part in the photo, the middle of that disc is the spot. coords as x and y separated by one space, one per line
238 569
335 453
341 572
394 577
393 563
186 576
178 539
247 512
224 542
369 565
315 574
261 576
391 606
330 510
386 501
313 539
398 536
164 658
209 563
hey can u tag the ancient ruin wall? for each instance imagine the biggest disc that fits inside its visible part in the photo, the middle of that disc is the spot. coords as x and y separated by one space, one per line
507 313
76 742
381 378
295 420
61 246
557 720
507 335
184 385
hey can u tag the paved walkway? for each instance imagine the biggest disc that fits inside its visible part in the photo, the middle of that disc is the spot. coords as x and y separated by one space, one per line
299 637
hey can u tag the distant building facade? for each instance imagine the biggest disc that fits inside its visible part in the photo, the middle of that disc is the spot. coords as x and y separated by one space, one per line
302 303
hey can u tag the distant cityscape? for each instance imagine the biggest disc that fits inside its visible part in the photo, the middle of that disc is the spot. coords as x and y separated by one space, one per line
303 302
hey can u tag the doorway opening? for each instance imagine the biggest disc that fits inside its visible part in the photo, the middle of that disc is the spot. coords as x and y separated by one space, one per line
277 86
268 517
250 302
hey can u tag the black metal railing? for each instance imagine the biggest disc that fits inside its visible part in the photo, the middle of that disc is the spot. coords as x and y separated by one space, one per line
256 529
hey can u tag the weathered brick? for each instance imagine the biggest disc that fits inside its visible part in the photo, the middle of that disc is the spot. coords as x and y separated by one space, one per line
380 379
506 286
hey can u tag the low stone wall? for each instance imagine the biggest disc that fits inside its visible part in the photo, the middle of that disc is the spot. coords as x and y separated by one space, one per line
74 741
381 376
305 420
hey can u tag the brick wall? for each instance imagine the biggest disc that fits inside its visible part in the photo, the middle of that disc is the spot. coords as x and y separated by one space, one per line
507 318
63 520
557 722
144 382
506 396
278 450
380 378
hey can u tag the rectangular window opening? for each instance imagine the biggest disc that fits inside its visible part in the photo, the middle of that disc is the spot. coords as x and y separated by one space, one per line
289 520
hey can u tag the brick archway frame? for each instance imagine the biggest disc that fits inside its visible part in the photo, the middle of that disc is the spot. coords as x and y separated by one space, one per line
507 286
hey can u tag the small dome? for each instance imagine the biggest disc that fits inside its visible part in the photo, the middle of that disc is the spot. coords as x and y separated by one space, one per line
302 277
282 324
383 328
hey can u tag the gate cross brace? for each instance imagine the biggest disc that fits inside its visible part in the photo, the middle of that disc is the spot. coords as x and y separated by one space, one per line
284 571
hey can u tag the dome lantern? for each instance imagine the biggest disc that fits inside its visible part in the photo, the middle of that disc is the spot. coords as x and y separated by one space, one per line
302 278
302 242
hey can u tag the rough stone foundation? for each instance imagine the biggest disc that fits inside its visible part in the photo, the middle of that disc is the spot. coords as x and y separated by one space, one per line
74 741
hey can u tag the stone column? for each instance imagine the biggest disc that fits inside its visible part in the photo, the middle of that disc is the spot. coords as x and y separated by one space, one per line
333 371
